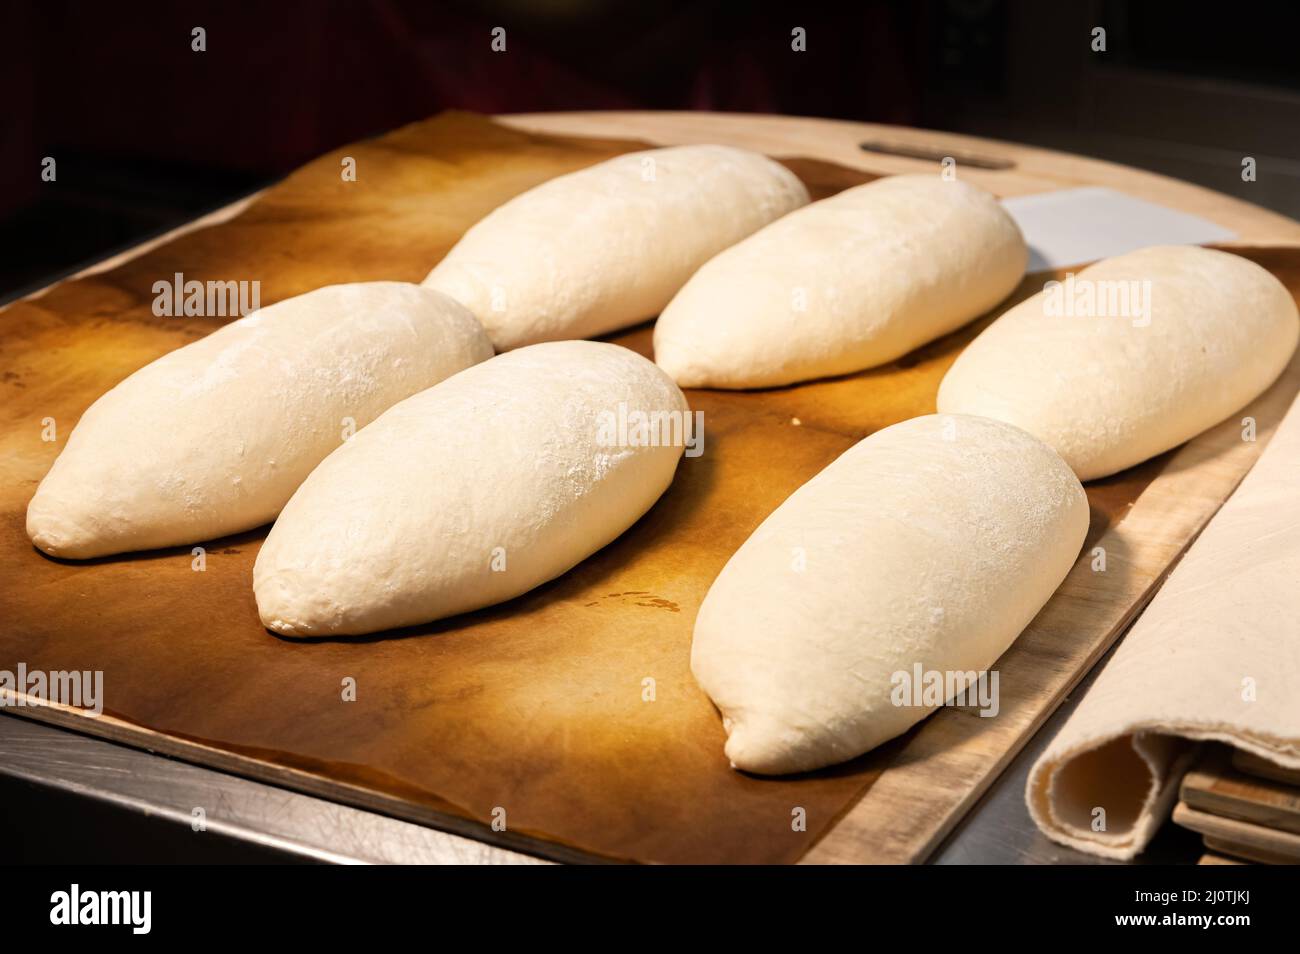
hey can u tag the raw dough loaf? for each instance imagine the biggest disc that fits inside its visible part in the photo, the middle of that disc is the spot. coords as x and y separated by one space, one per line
1111 391
848 283
214 437
608 246
931 542
469 493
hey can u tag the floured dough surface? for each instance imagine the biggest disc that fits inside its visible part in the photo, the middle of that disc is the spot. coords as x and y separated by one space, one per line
214 437
607 247
933 542
469 493
847 283
1114 387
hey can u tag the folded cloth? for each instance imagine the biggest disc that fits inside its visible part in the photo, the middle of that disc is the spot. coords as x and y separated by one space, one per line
1215 656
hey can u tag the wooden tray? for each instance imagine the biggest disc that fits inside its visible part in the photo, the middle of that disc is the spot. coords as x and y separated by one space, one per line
534 707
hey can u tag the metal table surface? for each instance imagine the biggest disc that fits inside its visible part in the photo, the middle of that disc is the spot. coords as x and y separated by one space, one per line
72 798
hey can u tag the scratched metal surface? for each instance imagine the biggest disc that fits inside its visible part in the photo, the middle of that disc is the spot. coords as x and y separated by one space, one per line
289 824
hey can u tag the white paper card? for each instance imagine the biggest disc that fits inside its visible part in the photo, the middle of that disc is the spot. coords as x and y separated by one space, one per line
1079 226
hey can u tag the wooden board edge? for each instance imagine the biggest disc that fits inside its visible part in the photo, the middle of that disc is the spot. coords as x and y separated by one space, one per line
1216 787
1253 838
1248 763
1036 168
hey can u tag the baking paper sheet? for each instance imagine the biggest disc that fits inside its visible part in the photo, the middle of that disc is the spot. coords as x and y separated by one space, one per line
1072 227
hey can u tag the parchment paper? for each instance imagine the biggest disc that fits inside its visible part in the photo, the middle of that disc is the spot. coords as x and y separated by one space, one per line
1216 656
1072 227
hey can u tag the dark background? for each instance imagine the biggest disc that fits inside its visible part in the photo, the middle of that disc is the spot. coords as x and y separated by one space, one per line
148 133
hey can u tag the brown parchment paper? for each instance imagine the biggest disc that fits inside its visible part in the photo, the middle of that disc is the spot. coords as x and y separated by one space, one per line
539 707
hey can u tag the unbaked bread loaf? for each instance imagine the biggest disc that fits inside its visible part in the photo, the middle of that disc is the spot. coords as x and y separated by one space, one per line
847 283
474 491
929 544
214 437
608 246
1131 357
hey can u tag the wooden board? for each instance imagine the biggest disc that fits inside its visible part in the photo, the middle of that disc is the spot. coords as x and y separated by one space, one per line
1251 764
1228 836
1215 787
1028 169
534 706
1244 852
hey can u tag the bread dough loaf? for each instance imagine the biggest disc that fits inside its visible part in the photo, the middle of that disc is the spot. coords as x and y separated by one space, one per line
847 283
471 492
214 437
933 542
606 247
1110 385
